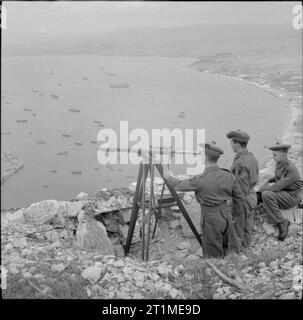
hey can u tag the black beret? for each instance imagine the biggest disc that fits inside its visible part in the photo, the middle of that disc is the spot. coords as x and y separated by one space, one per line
279 146
238 136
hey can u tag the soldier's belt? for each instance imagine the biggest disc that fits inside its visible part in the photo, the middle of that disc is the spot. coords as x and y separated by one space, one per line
217 207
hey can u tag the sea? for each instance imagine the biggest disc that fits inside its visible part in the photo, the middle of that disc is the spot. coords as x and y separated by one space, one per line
54 106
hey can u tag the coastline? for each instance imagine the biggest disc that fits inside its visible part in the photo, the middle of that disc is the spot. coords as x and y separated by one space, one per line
293 133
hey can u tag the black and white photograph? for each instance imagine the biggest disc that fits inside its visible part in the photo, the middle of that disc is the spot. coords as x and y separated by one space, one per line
151 150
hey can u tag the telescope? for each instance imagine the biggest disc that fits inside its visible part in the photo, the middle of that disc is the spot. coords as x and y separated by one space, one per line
150 151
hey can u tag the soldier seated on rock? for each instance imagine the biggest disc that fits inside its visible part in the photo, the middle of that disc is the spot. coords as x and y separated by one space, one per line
281 191
215 189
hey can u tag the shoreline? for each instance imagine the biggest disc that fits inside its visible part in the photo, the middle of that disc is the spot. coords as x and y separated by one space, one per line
292 135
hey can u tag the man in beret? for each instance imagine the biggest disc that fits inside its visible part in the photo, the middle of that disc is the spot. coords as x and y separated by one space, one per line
285 190
245 167
214 188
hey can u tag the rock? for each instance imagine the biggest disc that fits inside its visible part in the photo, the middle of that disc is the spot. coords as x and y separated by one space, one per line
42 212
180 255
113 201
288 296
81 195
17 216
138 295
58 267
52 236
199 252
184 245
91 235
187 198
92 273
175 208
268 228
72 209
173 224
163 270
294 229
81 215
289 256
174 293
192 258
289 214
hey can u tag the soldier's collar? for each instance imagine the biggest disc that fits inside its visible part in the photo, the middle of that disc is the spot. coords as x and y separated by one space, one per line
211 168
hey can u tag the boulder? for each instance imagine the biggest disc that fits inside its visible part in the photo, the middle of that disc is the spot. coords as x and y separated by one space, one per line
91 235
42 212
268 228
81 195
73 208
92 273
17 216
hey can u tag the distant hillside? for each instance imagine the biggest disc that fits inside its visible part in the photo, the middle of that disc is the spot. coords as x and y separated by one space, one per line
174 41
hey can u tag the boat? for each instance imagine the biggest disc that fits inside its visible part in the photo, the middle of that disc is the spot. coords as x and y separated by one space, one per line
40 142
119 85
74 110
66 135
62 153
26 109
78 143
21 120
76 172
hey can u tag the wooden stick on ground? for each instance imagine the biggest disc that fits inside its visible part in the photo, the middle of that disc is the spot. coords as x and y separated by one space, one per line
224 277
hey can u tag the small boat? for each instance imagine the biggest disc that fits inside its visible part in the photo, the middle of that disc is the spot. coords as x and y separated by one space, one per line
53 171
45 186
97 121
36 91
66 135
181 116
74 110
119 86
21 120
54 96
40 142
96 169
92 141
84 78
33 114
111 74
76 172
62 153
59 84
5 132
26 109
78 143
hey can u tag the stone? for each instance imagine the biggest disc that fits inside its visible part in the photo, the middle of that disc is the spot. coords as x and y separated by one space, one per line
184 245
192 258
81 195
92 274
173 224
162 270
175 208
294 229
180 255
289 214
268 228
288 296
199 252
174 293
81 215
42 212
52 236
17 216
113 201
138 295
58 267
73 208
92 235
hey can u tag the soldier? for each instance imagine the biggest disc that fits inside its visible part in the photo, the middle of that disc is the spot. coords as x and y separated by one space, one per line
285 191
245 168
214 188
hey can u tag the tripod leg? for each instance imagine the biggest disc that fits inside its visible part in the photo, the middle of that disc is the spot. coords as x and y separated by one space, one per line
151 196
158 212
145 173
180 205
135 210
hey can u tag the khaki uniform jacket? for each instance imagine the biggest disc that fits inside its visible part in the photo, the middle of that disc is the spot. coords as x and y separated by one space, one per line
212 188
287 178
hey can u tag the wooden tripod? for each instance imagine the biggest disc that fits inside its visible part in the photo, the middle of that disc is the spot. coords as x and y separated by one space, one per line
140 201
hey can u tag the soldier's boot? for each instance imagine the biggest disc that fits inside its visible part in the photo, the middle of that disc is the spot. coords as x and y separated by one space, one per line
283 229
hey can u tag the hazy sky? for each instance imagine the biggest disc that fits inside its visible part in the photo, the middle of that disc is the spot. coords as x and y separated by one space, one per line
63 17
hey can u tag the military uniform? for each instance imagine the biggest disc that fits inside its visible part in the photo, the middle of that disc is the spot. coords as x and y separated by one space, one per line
213 189
245 168
285 191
